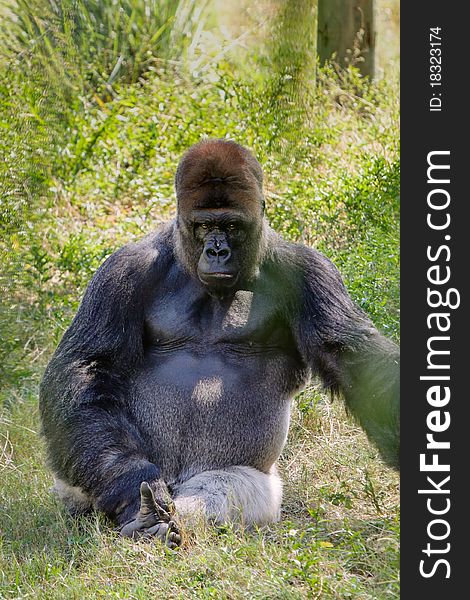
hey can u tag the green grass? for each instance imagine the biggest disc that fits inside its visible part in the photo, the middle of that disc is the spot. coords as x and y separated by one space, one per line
81 173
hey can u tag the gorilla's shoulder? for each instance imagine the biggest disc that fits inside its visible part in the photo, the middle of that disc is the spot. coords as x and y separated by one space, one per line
297 259
151 253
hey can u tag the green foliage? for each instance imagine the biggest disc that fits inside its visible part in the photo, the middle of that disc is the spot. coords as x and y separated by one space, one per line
30 130
99 42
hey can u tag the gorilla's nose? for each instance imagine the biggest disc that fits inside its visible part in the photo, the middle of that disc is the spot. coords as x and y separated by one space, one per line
221 254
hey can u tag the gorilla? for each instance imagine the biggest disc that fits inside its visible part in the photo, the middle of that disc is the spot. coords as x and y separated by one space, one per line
167 399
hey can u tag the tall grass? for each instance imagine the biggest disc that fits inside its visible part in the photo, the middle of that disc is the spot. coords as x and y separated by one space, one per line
98 41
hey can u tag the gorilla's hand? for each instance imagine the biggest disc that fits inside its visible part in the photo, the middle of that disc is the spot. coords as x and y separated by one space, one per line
152 520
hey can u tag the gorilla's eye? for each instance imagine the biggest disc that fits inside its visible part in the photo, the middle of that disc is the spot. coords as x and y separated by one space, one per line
204 225
231 226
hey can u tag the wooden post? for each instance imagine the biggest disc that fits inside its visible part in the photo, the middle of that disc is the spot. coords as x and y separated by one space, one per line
293 59
346 29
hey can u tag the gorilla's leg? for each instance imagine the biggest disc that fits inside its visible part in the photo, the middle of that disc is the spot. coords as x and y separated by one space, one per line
238 494
75 500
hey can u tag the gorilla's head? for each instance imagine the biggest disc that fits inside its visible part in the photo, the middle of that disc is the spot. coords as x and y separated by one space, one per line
220 220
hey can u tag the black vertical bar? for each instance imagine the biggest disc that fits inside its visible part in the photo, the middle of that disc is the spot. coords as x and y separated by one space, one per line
435 118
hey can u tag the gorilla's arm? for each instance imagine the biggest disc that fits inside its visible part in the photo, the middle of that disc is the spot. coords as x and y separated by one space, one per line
92 441
369 379
341 345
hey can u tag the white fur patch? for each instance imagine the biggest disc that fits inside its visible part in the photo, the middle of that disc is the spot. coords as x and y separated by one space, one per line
208 391
241 495
74 499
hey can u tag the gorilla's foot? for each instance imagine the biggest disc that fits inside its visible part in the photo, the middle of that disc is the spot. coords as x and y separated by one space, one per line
152 521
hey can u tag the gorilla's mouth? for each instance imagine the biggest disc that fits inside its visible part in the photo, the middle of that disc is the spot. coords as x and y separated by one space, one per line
218 278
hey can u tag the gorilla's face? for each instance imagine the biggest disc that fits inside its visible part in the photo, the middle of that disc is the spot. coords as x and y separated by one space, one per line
220 223
221 235
224 244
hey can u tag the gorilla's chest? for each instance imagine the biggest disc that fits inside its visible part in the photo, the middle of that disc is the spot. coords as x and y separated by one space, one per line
216 383
188 319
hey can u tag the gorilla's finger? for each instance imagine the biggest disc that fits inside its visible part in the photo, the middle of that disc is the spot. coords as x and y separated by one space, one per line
174 538
172 526
129 530
164 533
172 545
148 504
157 529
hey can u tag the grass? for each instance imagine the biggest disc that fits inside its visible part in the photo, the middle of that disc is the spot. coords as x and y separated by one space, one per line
83 171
